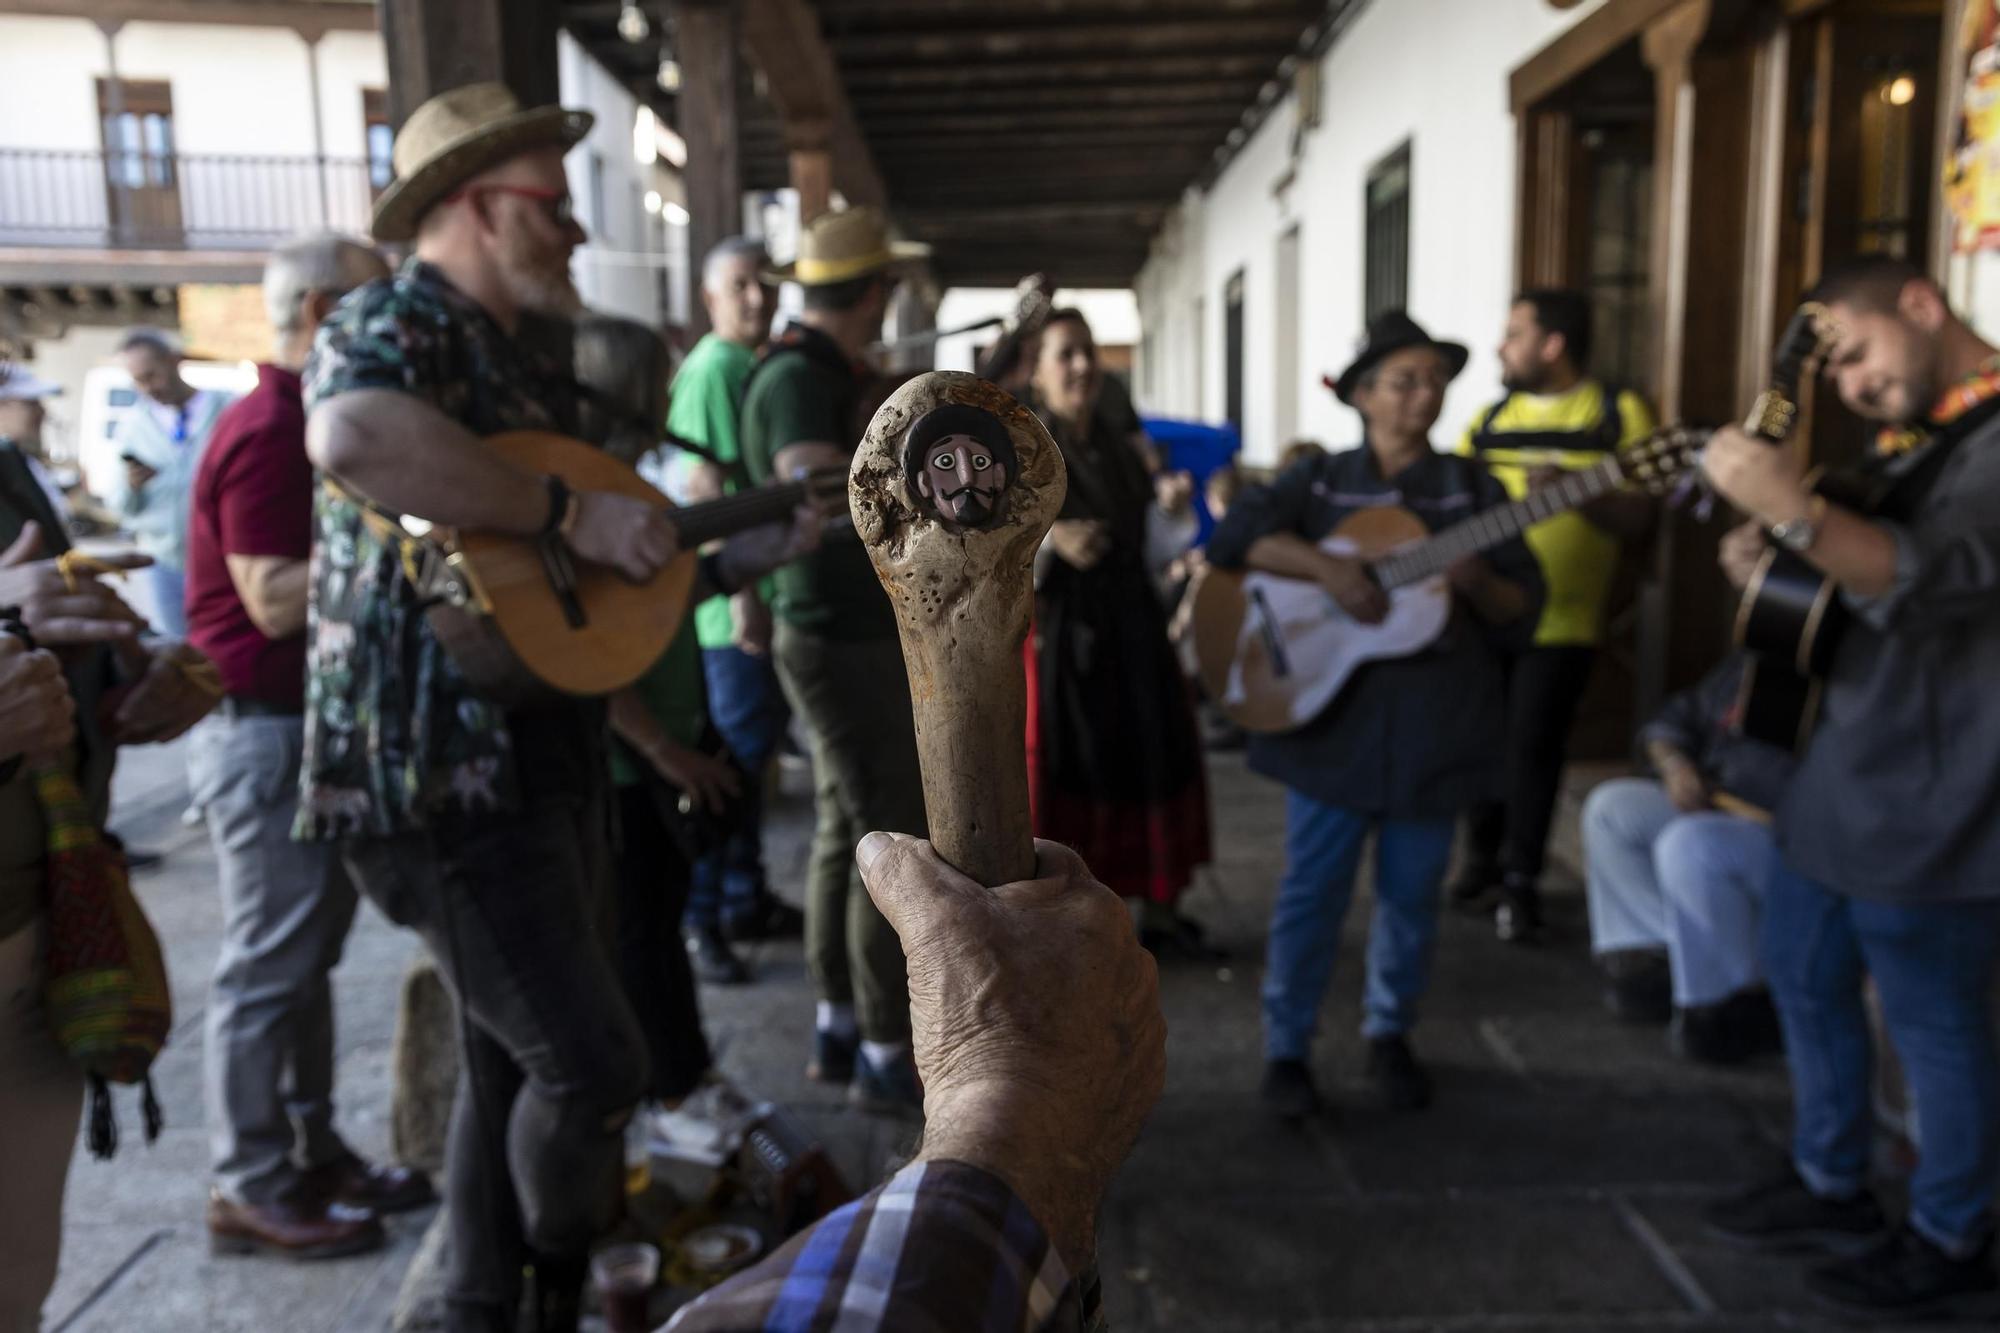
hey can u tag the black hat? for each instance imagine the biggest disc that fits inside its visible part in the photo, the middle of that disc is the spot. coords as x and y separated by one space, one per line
1392 331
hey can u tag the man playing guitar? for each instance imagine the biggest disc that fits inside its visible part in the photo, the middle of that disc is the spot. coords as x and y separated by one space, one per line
1890 833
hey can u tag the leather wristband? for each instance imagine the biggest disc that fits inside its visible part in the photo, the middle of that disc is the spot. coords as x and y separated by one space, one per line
559 506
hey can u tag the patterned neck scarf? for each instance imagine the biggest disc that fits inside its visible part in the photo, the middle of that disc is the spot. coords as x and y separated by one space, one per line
1983 383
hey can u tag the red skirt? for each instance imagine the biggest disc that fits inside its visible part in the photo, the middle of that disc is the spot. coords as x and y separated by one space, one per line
1124 784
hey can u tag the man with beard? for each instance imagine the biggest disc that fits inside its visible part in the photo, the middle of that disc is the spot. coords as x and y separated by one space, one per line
482 827
1554 419
1889 835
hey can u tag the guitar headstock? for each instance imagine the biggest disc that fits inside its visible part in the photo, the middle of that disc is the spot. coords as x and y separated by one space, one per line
1034 302
1803 347
1657 462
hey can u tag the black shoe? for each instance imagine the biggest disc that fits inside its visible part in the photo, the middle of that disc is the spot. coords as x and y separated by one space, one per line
890 1089
770 918
1639 987
833 1057
1742 1027
1906 1275
1183 940
712 958
1518 918
1474 888
1782 1215
1398 1078
1288 1090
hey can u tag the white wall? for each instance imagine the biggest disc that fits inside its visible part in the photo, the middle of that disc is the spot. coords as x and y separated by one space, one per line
618 271
1113 316
1431 71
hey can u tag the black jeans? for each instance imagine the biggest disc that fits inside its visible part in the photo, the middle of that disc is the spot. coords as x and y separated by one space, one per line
553 1060
1544 686
653 881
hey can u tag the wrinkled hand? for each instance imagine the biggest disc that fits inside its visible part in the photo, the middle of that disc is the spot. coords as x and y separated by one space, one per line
1173 492
634 537
750 623
168 698
712 783
1348 583
1037 1021
1081 542
137 475
749 556
1758 477
37 713
56 616
1685 786
1741 551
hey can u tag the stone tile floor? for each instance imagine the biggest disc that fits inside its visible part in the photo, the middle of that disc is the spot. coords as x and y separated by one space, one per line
1555 1185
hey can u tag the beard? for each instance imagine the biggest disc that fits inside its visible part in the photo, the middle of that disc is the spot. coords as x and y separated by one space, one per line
537 278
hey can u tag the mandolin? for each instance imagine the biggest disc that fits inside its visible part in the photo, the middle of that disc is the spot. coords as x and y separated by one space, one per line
1274 652
526 621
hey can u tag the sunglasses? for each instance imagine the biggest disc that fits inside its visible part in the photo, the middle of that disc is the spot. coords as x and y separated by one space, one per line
557 206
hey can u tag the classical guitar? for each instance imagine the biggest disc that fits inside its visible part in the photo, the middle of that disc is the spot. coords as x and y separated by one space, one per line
524 619
1274 652
1790 617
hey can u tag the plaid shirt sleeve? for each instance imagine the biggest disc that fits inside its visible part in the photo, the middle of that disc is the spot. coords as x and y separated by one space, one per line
942 1246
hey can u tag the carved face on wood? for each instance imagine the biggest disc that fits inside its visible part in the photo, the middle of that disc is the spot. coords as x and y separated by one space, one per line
959 462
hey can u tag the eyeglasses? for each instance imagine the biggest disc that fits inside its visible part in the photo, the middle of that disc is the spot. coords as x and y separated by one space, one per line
557 206
1412 383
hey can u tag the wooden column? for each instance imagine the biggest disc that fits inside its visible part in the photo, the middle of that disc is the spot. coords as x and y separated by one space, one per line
809 144
435 45
707 36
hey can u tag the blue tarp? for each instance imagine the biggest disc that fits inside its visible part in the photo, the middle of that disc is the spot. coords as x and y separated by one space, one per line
1198 448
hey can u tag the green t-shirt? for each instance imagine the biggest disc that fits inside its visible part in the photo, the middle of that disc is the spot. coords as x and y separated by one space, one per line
675 694
706 396
832 592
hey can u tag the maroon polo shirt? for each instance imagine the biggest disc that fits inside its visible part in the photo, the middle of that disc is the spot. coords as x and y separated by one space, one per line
253 495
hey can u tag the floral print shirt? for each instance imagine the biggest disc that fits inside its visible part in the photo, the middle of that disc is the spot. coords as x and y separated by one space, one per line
396 740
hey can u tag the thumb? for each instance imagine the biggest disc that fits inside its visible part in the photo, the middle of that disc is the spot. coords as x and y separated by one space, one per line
25 548
908 880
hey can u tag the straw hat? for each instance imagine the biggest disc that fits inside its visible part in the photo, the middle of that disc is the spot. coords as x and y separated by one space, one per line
455 136
839 247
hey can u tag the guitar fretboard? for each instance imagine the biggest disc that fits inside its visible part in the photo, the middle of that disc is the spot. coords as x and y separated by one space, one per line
1435 554
713 519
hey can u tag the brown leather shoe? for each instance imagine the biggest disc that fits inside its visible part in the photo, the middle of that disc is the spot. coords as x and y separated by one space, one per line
300 1227
360 1183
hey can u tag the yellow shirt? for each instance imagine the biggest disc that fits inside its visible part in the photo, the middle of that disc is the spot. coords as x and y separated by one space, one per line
1578 558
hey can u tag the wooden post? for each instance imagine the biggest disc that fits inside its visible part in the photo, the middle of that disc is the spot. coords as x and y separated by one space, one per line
707 34
962 592
435 45
809 145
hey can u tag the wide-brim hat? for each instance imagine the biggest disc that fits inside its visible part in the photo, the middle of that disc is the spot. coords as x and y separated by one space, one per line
843 246
455 136
1391 332
17 385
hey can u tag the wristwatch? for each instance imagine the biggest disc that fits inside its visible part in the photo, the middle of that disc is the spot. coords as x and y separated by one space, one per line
1797 535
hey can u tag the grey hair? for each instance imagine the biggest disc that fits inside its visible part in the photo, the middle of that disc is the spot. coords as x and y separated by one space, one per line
736 247
328 262
151 340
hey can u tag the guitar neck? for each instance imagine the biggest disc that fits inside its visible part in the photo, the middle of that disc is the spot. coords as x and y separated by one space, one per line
1435 554
711 520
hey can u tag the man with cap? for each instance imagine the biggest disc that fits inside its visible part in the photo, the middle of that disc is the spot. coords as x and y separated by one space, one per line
839 658
482 827
1408 743
22 415
285 1182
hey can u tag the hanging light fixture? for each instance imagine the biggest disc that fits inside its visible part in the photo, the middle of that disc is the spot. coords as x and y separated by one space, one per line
633 25
670 74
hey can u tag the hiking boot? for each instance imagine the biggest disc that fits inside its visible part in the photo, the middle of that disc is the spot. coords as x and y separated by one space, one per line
1399 1080
1518 918
833 1056
1288 1090
1742 1027
1906 1275
712 958
887 1089
1781 1215
299 1226
1639 988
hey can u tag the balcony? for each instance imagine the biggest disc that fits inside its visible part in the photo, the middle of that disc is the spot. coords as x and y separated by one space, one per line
167 201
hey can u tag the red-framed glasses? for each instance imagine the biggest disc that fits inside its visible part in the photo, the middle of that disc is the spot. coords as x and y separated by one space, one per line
557 206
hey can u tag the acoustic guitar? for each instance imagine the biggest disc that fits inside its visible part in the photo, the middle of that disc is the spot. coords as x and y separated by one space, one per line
527 621
1274 652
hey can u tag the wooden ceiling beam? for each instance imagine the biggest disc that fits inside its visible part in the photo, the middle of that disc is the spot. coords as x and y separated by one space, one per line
1215 116
312 16
1060 72
869 104
1058 141
971 41
783 39
901 11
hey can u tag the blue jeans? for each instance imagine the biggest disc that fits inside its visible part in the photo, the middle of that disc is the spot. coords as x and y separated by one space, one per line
1323 846
1933 965
169 592
748 708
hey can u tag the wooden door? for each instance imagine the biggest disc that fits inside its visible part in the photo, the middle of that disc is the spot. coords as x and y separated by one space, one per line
141 166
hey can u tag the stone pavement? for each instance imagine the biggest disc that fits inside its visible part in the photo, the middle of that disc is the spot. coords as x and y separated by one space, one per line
1555 1185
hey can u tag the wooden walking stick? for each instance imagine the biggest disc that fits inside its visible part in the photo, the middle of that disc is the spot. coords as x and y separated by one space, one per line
953 489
